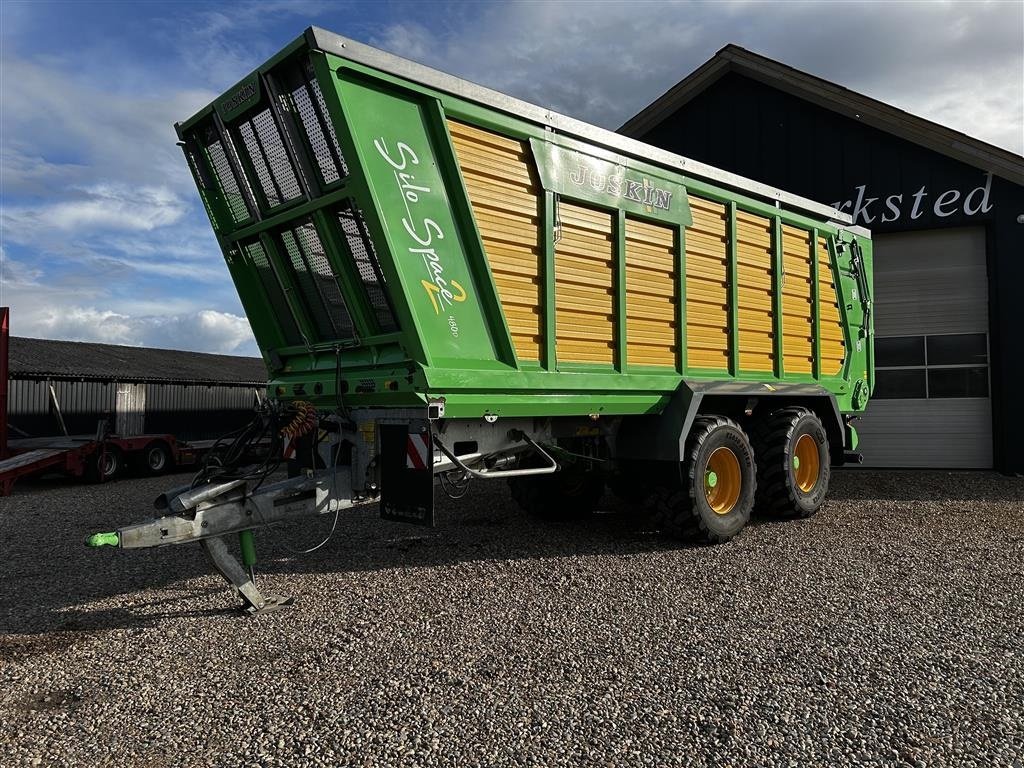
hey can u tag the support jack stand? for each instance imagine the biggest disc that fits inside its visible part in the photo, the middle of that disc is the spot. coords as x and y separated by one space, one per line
227 566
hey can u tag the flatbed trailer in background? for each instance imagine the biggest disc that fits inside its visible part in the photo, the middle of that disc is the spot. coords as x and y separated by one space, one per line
449 284
99 458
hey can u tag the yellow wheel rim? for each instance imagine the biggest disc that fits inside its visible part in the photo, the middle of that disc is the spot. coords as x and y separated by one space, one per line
723 480
806 464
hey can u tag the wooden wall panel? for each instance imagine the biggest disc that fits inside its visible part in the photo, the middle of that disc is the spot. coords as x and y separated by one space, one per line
797 301
504 195
585 286
754 292
707 295
651 301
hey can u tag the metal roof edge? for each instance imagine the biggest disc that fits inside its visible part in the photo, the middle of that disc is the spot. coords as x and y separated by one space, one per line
65 376
36 359
675 97
836 98
362 53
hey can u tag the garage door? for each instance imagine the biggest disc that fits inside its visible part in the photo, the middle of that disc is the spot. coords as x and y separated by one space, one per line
931 406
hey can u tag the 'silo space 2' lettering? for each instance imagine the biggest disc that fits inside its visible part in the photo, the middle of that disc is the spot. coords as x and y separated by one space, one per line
424 231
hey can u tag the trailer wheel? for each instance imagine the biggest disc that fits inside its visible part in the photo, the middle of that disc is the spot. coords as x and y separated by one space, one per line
157 458
715 497
569 494
793 463
106 465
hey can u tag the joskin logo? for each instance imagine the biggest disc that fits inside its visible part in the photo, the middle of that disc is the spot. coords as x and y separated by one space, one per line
424 231
640 191
238 98
611 182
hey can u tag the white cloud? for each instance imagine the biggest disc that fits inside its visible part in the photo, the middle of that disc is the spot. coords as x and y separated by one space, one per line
31 174
219 48
108 206
206 330
63 129
959 64
29 290
83 308
18 273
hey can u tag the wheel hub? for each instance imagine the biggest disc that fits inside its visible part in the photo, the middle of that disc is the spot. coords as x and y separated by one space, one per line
806 464
723 480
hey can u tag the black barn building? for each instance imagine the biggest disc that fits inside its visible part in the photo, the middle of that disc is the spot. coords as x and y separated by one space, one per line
947 215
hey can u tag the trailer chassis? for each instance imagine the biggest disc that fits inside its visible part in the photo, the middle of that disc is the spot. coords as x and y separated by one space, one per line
210 514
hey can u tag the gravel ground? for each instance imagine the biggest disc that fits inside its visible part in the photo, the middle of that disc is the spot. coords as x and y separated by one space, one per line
886 631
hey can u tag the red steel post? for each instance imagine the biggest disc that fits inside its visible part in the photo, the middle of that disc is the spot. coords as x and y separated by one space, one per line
5 335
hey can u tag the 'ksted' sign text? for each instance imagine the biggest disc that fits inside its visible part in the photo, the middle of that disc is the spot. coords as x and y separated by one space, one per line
871 210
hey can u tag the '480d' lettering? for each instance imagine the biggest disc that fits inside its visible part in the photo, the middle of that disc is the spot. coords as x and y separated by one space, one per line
422 230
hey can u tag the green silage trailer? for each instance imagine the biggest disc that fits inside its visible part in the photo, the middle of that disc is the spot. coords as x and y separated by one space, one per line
449 284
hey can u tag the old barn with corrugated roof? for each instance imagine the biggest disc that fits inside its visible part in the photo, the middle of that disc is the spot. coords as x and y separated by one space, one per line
70 385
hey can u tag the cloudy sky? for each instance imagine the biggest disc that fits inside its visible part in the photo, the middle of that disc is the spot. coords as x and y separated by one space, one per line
101 232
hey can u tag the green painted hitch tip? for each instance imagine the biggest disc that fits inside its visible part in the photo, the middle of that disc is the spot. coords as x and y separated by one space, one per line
103 540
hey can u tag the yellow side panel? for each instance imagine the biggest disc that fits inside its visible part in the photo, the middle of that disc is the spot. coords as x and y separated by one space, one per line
504 195
833 347
651 302
707 295
584 286
754 292
797 317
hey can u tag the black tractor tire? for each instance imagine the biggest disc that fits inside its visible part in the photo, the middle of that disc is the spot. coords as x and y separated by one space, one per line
572 493
157 458
106 465
705 507
793 463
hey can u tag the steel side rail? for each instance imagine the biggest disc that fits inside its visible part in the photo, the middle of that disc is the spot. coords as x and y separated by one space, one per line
488 474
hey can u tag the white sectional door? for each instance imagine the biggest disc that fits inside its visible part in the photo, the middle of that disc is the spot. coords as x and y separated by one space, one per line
931 406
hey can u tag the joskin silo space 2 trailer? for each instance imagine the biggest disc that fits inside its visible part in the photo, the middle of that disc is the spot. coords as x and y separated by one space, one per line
449 284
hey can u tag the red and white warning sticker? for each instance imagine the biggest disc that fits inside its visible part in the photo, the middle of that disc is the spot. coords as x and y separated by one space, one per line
417 451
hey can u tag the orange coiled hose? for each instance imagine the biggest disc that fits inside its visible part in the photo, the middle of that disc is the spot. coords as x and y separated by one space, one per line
303 422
